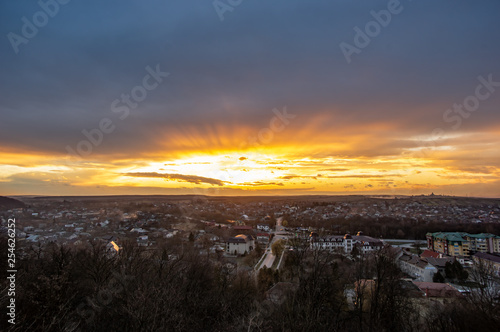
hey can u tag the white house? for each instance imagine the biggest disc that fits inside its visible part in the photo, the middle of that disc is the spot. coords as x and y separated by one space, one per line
345 243
240 244
263 227
138 230
143 241
263 238
417 268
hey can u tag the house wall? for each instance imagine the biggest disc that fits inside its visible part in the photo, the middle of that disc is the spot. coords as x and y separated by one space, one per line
455 249
495 267
420 274
240 248
346 245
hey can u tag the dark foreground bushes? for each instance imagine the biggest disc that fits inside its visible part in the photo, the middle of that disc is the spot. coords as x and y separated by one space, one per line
87 289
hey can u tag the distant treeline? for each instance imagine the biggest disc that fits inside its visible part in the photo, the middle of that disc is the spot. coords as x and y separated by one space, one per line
387 227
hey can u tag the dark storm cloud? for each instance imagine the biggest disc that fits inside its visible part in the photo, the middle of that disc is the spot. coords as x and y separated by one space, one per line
357 176
262 183
263 55
293 176
178 177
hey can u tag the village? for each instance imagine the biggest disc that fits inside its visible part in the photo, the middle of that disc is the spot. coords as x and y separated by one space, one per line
68 222
256 234
280 243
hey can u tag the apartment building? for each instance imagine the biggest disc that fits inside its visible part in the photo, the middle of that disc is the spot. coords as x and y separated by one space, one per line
461 244
345 243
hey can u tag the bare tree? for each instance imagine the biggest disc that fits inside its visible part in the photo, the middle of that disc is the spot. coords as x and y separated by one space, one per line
485 297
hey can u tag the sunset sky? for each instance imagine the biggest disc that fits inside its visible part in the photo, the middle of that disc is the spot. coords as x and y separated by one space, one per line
204 97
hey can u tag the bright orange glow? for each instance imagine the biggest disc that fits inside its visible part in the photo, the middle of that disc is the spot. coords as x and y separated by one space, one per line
115 246
300 160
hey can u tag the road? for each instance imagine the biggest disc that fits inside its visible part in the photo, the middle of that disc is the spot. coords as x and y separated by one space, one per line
269 260
279 226
405 243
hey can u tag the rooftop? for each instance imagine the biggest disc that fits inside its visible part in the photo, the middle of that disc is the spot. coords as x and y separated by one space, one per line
460 236
435 289
489 257
241 238
429 253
